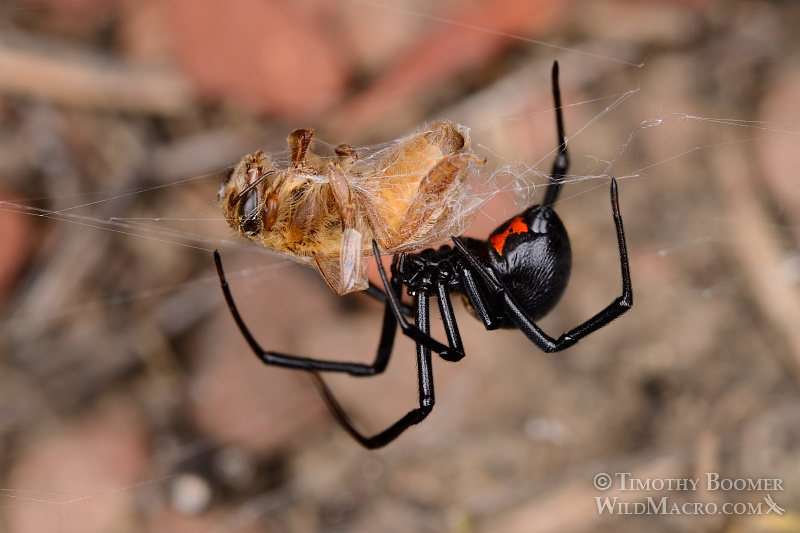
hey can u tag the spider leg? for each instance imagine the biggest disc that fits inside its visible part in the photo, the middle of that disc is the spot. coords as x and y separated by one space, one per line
561 164
414 416
384 350
456 351
409 330
377 293
314 366
483 309
610 312
486 273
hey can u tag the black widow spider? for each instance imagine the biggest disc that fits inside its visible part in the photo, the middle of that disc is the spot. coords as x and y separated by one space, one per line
510 280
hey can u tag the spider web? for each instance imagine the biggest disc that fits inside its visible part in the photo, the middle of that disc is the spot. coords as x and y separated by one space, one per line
648 154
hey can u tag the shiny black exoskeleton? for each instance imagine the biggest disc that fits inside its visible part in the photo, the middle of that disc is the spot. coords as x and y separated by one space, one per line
511 279
534 265
529 255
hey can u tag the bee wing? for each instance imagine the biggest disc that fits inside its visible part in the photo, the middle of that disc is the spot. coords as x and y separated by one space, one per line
346 272
353 267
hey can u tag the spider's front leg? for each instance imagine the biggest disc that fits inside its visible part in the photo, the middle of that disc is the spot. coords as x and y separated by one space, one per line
385 346
384 351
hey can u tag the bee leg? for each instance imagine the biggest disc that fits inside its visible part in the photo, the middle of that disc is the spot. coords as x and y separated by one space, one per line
341 193
430 199
446 137
299 141
345 154
352 266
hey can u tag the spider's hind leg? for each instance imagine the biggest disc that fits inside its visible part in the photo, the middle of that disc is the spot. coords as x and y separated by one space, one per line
617 307
561 164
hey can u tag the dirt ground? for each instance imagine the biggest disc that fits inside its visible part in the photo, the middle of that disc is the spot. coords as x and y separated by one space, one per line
130 402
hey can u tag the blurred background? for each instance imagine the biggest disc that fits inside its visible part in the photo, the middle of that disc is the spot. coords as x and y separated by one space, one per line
130 402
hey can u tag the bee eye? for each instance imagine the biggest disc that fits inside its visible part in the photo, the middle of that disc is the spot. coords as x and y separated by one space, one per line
249 213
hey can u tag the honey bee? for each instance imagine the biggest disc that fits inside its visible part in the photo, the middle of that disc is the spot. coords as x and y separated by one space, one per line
324 211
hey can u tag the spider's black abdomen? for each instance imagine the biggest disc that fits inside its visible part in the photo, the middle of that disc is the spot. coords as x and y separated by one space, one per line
532 258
